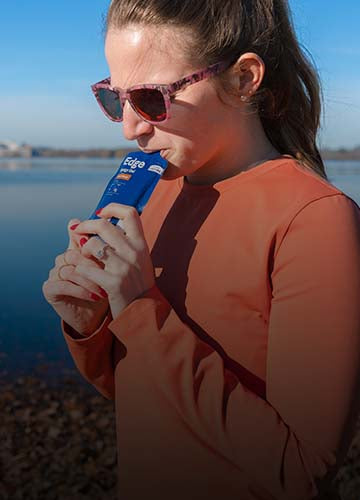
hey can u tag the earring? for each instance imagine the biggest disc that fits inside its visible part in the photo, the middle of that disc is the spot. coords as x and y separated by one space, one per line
245 98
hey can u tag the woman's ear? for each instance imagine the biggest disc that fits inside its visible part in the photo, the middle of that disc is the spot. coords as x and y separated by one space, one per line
247 74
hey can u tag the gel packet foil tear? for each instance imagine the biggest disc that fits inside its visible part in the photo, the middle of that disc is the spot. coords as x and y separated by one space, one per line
133 183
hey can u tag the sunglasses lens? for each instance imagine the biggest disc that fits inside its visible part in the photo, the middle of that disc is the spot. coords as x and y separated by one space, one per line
149 103
111 103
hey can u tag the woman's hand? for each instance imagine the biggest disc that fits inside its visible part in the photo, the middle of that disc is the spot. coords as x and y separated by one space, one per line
80 302
128 270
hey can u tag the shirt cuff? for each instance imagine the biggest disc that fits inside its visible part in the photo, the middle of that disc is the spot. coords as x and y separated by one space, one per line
75 336
150 309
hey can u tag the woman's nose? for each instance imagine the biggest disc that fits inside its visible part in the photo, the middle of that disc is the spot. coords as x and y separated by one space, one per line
133 125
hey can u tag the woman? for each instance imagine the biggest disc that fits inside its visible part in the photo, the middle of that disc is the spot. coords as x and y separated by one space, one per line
225 322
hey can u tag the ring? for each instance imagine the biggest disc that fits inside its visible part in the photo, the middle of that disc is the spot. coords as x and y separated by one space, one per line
66 262
100 254
58 273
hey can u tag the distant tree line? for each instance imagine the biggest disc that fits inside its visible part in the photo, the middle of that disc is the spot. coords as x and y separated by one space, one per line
341 154
327 154
80 153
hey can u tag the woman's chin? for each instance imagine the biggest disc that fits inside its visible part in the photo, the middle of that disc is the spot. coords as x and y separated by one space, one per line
171 173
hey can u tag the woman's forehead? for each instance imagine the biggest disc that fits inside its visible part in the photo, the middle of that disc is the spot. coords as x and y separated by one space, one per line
138 55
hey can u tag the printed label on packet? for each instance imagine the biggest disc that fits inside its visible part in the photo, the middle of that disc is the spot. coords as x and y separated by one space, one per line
133 182
124 177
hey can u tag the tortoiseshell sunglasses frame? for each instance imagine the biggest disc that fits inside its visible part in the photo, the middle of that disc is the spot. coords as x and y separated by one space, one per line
167 90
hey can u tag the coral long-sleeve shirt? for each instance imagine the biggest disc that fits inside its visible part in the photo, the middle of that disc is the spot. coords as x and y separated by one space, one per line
236 376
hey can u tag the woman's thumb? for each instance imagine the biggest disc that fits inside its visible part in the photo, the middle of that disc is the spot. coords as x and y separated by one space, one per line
74 239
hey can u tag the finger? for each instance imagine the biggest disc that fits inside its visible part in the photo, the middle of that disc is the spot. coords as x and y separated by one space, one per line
55 273
55 289
68 257
68 273
102 278
74 239
102 251
112 261
74 256
109 233
130 219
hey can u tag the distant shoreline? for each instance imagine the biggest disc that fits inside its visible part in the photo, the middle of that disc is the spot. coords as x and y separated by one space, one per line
341 154
326 154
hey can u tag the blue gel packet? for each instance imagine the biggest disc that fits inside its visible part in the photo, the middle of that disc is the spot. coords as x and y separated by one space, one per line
133 183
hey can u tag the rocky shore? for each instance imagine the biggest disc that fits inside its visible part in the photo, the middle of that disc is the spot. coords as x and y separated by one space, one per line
57 442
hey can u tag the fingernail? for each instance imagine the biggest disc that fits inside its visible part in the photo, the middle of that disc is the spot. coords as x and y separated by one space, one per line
95 297
74 227
103 293
83 241
98 211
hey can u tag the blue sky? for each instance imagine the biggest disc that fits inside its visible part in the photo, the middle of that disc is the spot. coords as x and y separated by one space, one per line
51 52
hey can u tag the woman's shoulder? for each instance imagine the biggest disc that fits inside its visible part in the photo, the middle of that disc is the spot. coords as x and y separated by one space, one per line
295 175
283 191
296 185
309 203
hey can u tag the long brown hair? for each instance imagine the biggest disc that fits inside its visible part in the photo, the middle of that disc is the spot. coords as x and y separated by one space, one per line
289 98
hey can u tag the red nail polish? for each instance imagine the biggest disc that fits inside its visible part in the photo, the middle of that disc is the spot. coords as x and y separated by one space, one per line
83 241
98 211
95 297
74 227
103 293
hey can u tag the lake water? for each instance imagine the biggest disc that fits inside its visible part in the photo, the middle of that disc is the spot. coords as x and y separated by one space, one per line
37 198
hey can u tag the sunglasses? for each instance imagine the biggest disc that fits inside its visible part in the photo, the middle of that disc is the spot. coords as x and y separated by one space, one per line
151 102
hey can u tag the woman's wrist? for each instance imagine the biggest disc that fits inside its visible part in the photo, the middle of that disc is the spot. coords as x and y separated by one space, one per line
86 333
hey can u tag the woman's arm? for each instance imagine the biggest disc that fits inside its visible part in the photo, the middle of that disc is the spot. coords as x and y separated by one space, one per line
94 355
285 445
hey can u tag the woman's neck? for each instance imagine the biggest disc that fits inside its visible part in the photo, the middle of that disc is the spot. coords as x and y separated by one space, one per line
245 148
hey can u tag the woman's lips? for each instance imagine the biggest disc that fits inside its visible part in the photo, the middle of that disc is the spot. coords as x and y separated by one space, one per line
151 150
162 152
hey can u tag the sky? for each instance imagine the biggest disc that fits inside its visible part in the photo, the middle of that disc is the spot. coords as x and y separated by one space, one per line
51 52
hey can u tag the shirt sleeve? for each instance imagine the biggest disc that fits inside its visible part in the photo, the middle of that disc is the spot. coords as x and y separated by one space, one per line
94 355
290 445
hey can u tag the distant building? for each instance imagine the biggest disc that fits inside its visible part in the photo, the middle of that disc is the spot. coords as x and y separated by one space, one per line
10 148
7 147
